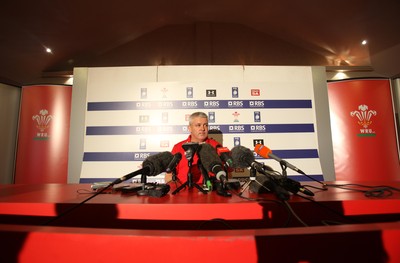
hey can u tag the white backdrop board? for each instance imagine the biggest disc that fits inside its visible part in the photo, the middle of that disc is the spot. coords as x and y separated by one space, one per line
134 112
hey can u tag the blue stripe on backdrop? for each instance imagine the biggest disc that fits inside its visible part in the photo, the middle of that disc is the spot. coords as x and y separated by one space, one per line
199 104
182 129
300 127
116 156
295 154
108 156
127 130
302 178
141 156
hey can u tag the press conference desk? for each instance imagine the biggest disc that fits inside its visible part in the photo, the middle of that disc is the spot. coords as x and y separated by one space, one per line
189 209
195 227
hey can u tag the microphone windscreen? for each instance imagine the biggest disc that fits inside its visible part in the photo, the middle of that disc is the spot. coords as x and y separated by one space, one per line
208 156
157 163
242 157
262 150
174 162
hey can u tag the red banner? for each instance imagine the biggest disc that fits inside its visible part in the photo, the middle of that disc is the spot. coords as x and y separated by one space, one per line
363 130
43 136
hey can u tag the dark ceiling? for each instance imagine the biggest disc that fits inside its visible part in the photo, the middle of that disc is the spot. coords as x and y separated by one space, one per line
88 33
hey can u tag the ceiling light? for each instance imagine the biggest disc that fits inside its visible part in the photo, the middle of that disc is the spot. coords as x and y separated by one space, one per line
364 42
340 75
48 50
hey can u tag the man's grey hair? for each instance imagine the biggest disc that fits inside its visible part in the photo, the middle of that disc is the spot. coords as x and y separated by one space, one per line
197 114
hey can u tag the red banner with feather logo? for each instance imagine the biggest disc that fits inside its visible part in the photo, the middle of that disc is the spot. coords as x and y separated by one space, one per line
363 130
43 135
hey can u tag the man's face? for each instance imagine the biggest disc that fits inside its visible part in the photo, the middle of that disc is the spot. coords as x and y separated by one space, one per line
199 129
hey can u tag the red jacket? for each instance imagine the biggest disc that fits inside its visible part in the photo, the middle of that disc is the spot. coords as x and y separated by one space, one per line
182 168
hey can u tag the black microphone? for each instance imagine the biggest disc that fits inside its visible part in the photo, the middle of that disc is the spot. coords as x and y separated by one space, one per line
174 162
265 152
157 163
211 162
270 183
294 187
144 170
152 166
259 185
190 149
275 187
243 157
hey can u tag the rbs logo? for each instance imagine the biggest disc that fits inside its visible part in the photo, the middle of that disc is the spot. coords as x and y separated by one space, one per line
189 104
211 104
235 103
214 127
236 128
141 156
258 128
256 103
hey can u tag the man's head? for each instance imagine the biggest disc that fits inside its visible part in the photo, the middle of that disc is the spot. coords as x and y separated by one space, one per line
198 126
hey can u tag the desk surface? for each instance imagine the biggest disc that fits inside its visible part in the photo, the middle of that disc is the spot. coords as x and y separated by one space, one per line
49 200
75 193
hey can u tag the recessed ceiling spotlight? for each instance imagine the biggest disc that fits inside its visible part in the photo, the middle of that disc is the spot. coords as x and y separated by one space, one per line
340 75
364 42
48 50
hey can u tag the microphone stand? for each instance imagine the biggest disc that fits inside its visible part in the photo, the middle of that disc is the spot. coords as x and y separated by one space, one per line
292 185
189 182
143 181
253 173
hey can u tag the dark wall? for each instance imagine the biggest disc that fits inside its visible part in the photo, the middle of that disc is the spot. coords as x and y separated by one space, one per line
9 111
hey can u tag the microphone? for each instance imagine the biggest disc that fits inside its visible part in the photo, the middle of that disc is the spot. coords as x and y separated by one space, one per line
211 162
225 156
259 185
269 183
152 166
243 157
174 162
265 152
190 149
157 163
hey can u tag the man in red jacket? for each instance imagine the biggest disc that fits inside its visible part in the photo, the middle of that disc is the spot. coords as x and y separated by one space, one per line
198 128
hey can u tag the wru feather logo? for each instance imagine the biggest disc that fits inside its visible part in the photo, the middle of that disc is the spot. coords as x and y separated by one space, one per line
364 119
43 120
